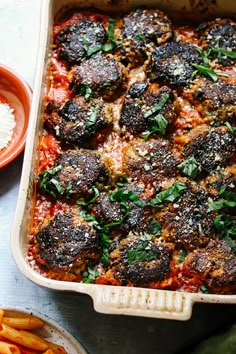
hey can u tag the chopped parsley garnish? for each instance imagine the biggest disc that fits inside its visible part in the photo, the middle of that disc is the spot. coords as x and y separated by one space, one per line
95 196
140 253
49 184
204 289
189 167
182 256
92 117
169 194
154 228
90 275
86 91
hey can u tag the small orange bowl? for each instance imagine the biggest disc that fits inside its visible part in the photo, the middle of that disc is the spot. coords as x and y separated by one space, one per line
15 92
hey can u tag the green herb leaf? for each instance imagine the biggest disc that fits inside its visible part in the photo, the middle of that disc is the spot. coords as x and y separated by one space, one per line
124 195
182 256
228 53
224 193
154 228
208 72
221 203
204 57
204 289
123 180
139 253
225 225
92 117
158 124
169 194
158 106
231 128
92 221
95 196
49 184
111 28
105 257
90 275
86 91
189 167
139 36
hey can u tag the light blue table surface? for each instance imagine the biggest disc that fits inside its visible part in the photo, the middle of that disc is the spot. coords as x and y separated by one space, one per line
98 333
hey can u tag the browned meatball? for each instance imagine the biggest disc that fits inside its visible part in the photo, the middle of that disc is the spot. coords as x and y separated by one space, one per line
218 99
110 211
102 73
138 111
73 41
149 161
67 243
140 262
217 35
224 179
143 29
216 264
172 63
78 122
76 172
212 149
187 221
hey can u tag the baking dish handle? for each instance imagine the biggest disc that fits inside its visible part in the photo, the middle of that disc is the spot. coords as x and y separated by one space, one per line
142 302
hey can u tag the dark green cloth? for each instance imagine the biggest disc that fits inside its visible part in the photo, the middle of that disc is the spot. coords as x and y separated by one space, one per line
223 343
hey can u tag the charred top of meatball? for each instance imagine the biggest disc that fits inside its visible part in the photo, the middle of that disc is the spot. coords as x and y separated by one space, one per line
102 73
78 122
74 40
219 36
143 29
187 221
140 262
143 106
149 161
65 240
212 149
172 62
216 264
75 174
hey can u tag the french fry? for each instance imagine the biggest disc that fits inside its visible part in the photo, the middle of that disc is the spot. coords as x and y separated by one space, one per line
6 348
24 338
1 315
23 322
57 349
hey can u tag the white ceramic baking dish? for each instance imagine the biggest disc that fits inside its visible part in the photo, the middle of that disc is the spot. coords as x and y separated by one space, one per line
107 299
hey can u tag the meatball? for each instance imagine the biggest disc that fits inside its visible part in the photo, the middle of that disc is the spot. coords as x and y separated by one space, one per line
149 161
73 41
110 212
225 180
102 73
217 99
217 35
216 264
143 29
172 62
139 103
67 243
212 149
78 123
139 262
187 221
76 172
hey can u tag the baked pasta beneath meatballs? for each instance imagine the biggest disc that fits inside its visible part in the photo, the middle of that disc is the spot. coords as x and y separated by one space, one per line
136 181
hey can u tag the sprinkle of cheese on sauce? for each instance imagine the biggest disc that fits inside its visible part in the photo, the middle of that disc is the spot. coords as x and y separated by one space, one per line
7 124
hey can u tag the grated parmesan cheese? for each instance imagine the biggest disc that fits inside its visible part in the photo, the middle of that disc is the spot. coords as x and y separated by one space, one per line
7 124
